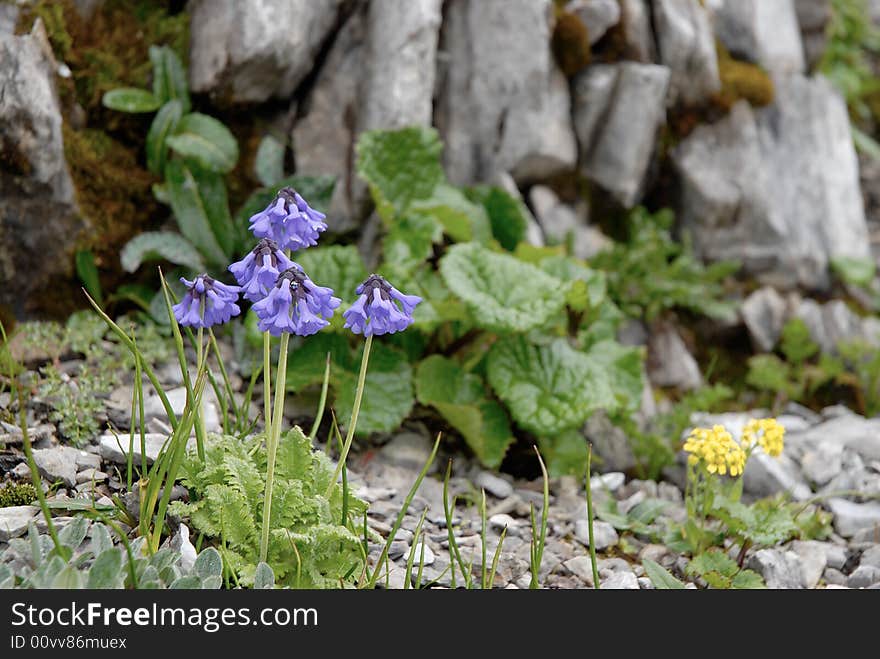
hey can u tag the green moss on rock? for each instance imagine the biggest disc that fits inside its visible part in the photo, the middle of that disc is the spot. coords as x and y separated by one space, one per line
17 494
570 43
742 80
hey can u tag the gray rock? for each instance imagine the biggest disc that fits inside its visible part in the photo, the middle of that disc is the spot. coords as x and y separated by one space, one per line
8 18
429 555
840 323
110 448
670 363
398 549
14 521
813 18
90 475
581 567
814 560
561 224
153 407
780 569
57 463
534 234
88 460
611 481
326 128
849 431
777 189
810 312
766 476
834 577
687 46
618 109
407 449
763 313
822 464
610 443
851 517
604 534
34 175
615 574
871 556
494 485
597 15
250 52
635 18
503 104
864 576
835 555
766 33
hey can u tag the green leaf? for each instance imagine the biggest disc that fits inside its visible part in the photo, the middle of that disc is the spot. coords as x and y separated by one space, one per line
106 572
208 564
337 266
400 167
587 287
797 343
87 272
131 100
660 576
715 567
548 388
169 77
160 245
621 368
191 211
852 270
388 392
460 397
461 219
507 216
190 582
748 580
212 188
409 243
164 124
565 452
206 141
264 577
269 161
74 533
503 293
68 579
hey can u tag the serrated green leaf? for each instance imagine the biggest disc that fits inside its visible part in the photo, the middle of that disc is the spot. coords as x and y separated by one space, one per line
548 388
409 243
460 397
106 572
206 141
169 77
400 167
461 219
748 580
159 245
269 161
208 564
507 215
587 287
164 124
715 567
502 293
131 100
87 272
337 266
660 576
622 370
191 211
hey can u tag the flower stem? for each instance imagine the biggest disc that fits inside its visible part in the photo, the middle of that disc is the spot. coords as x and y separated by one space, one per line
272 439
267 382
200 426
355 410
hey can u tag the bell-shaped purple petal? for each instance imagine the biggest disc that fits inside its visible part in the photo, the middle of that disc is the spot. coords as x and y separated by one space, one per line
289 221
206 303
295 304
257 272
376 311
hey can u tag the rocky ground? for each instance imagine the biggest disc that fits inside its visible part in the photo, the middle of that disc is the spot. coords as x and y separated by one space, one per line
833 457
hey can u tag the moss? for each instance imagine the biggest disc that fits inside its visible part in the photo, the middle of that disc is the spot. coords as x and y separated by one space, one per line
741 80
570 43
17 494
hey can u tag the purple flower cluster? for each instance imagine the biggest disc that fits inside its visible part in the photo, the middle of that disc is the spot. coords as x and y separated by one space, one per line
289 221
295 305
207 302
376 311
257 272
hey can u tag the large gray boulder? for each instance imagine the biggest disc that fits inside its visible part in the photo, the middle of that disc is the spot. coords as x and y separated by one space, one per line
618 109
686 43
503 103
638 36
248 52
37 201
813 17
761 31
777 189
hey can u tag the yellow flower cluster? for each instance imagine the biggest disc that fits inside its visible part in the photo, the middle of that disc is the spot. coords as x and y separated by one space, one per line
717 449
769 434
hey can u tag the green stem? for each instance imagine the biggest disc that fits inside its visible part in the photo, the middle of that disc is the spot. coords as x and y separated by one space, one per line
590 519
267 382
200 425
322 402
359 393
272 444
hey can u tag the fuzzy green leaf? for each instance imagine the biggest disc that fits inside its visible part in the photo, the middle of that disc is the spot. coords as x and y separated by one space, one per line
460 397
587 287
264 577
190 208
106 571
565 452
160 245
400 166
208 564
269 161
502 293
660 576
131 100
206 141
548 388
748 580
169 77
622 370
409 243
164 124
461 219
507 216
337 266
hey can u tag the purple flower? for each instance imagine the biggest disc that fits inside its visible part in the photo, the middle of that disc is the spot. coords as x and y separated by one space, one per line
375 311
207 302
257 272
295 305
289 221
